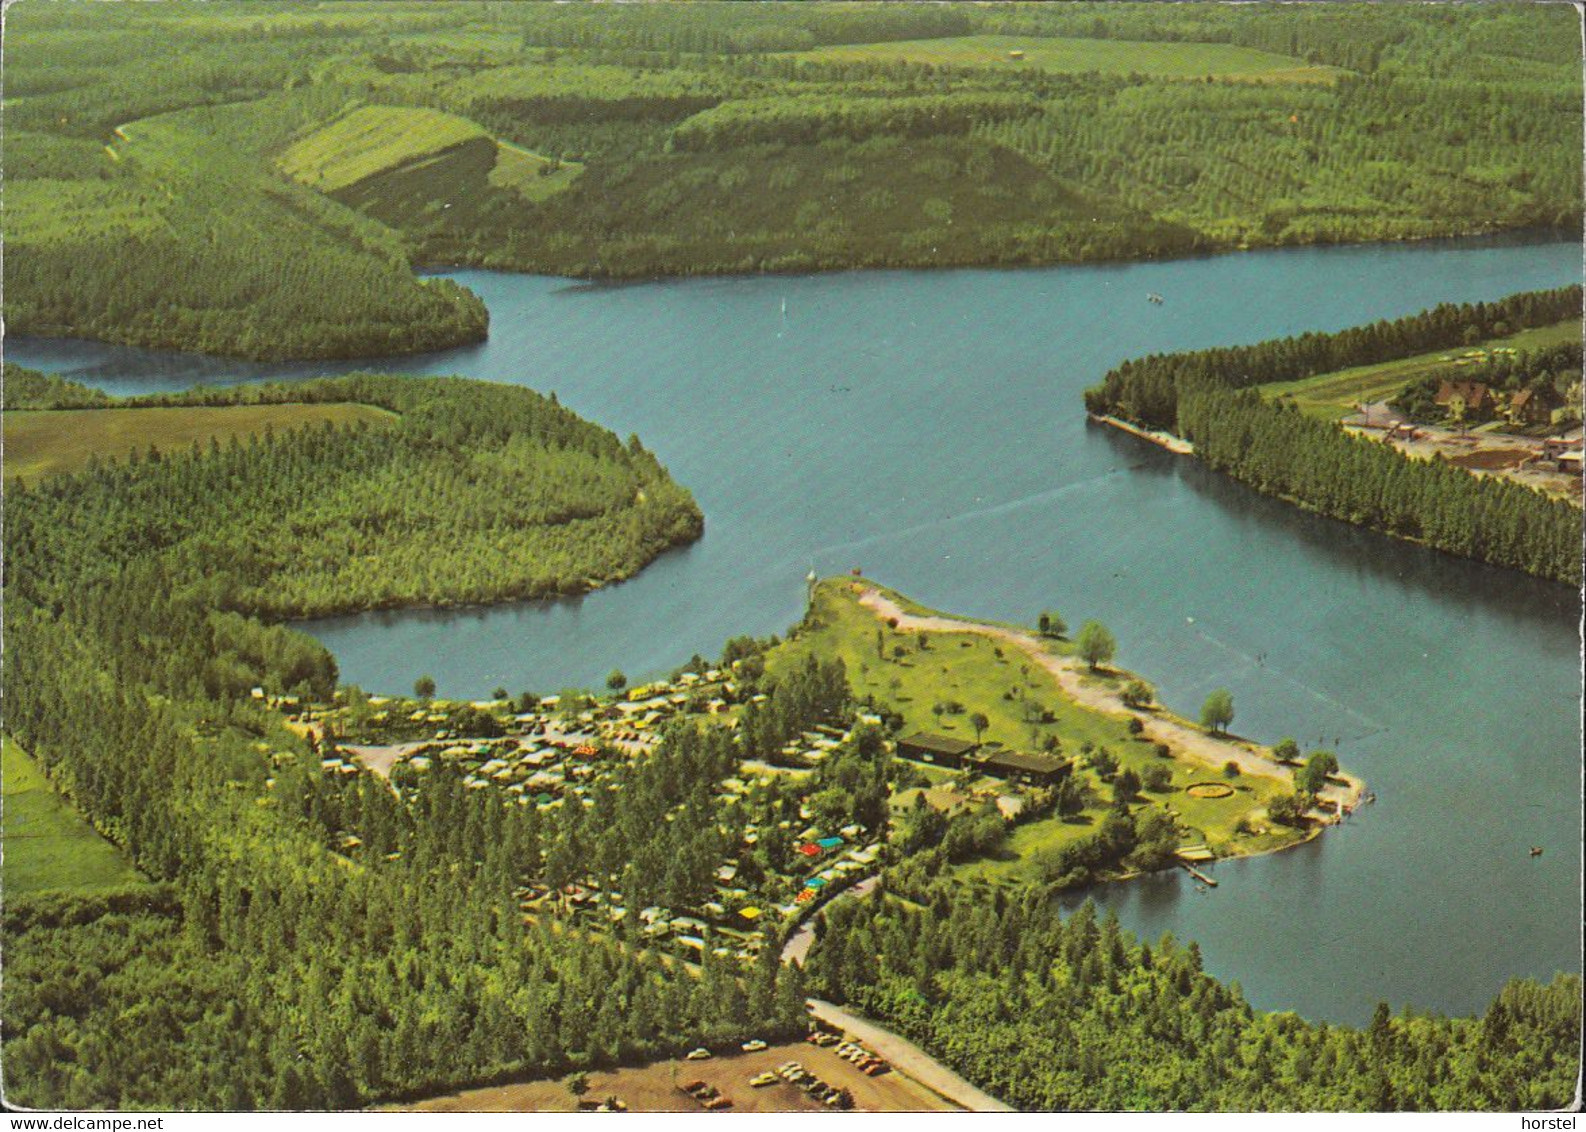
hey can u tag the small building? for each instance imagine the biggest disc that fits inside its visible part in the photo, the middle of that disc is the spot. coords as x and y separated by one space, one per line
1466 400
1530 406
938 750
1016 766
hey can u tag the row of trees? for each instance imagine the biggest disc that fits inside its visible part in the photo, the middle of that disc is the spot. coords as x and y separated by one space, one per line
1205 397
1069 1014
1146 390
1277 450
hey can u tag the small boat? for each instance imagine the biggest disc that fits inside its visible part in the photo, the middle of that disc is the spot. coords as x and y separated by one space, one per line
1153 297
1536 850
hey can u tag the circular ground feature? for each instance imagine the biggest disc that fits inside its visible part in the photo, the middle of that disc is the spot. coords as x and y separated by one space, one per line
1209 790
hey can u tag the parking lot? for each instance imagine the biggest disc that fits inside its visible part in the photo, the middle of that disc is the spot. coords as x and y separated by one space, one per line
655 1087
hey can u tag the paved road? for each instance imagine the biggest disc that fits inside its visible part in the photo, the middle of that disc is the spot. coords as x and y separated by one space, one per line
909 1058
904 1055
798 944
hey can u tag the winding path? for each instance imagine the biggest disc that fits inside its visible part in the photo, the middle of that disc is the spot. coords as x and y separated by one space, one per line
1213 751
904 1055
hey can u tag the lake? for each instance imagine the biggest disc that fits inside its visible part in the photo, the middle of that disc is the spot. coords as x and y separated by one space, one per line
927 427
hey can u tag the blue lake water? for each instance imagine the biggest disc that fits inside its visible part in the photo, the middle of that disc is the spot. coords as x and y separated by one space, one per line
927 427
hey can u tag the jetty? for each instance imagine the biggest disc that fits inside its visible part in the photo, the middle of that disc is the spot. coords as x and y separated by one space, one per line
1191 855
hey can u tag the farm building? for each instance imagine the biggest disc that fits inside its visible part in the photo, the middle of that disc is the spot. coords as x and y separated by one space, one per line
1016 766
938 750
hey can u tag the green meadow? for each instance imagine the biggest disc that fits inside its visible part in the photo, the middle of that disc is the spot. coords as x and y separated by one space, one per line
1329 396
50 441
47 845
1015 694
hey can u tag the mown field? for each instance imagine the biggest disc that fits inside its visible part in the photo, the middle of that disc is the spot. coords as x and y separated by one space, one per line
1329 396
373 139
997 680
1086 56
47 846
47 442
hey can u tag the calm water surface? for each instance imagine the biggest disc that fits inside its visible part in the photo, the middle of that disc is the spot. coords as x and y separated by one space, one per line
927 427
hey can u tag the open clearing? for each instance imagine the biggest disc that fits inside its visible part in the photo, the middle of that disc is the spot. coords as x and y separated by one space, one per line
373 140
1075 56
653 1088
1011 677
47 845
1330 396
42 442
530 175
376 140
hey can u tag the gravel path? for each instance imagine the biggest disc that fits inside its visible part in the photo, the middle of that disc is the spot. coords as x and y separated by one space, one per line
1212 751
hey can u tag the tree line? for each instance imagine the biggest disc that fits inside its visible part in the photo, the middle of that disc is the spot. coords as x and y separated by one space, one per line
1054 1013
1206 397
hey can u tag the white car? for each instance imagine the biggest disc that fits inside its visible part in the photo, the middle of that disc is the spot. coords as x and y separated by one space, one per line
699 1054
754 1046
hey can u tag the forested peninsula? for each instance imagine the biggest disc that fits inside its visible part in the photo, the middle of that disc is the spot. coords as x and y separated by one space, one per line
264 182
469 492
1208 397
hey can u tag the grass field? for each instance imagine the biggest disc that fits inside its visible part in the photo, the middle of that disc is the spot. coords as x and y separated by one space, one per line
46 442
966 667
373 140
47 845
1329 396
1075 56
376 141
519 169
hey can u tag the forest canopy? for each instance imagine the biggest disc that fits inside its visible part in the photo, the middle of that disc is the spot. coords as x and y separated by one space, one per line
204 177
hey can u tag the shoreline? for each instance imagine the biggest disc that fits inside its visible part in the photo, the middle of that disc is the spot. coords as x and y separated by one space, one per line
1161 725
1176 444
422 269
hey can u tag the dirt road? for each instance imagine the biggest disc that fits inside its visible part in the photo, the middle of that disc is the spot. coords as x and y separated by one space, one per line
1211 750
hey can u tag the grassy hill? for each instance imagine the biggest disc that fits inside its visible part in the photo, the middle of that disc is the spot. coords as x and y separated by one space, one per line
372 140
47 845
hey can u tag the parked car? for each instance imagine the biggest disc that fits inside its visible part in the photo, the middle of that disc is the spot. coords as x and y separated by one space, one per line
754 1046
699 1054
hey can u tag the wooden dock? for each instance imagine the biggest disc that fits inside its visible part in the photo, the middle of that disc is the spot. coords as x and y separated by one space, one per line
1210 882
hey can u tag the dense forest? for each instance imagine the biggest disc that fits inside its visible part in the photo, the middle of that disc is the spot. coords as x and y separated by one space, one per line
1207 398
482 493
270 964
156 193
1061 1013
